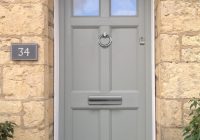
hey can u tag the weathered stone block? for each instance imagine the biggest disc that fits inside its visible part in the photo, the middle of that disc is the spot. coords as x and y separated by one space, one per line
169 113
190 54
34 113
51 82
51 132
30 134
5 43
23 81
9 1
157 50
50 111
8 107
15 119
198 9
179 16
1 80
47 81
50 53
23 19
51 4
179 80
186 112
191 40
51 19
170 47
172 134
51 33
157 80
158 132
35 1
157 11
51 138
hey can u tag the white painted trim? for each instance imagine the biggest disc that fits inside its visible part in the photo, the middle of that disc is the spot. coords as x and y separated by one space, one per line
56 69
153 69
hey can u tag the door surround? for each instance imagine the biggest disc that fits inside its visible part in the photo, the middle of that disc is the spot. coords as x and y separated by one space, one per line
58 69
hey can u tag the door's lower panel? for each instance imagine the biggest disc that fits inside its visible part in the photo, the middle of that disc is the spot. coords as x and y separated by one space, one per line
105 124
85 125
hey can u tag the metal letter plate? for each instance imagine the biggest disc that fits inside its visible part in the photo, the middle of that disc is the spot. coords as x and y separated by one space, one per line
27 51
104 100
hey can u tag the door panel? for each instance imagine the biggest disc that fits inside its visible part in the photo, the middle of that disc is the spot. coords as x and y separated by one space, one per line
86 125
121 128
85 59
124 58
112 124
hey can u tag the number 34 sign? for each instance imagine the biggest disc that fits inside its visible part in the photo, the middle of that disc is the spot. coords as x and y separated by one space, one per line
24 51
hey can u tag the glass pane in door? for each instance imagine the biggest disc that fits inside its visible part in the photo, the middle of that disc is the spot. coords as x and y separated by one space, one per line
123 7
86 7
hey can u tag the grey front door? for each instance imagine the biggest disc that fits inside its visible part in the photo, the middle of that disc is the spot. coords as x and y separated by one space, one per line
105 86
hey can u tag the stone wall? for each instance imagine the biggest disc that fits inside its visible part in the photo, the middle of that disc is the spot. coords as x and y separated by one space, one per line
177 64
26 87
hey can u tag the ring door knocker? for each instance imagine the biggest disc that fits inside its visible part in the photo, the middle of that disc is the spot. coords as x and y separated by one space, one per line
105 36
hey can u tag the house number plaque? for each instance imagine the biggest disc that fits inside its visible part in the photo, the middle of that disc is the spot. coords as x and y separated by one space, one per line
24 51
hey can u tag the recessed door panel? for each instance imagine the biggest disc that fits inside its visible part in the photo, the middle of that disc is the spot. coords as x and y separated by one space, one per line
121 128
124 58
86 125
85 61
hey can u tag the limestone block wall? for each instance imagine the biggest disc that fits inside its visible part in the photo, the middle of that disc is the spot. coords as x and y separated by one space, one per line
177 64
26 87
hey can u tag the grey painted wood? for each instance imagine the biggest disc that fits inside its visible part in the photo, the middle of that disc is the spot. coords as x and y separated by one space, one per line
61 115
89 70
150 69
124 59
124 125
85 125
85 59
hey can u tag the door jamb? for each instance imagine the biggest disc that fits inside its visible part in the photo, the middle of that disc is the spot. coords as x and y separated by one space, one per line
59 80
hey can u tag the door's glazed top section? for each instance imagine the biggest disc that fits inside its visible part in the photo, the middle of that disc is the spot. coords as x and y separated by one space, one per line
85 7
123 7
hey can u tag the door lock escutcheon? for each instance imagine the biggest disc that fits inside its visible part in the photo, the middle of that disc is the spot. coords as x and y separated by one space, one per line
142 41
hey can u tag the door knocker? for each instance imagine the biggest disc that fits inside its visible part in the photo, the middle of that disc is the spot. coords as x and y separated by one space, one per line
105 36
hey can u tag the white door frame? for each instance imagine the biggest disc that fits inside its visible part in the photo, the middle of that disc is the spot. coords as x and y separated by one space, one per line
59 100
